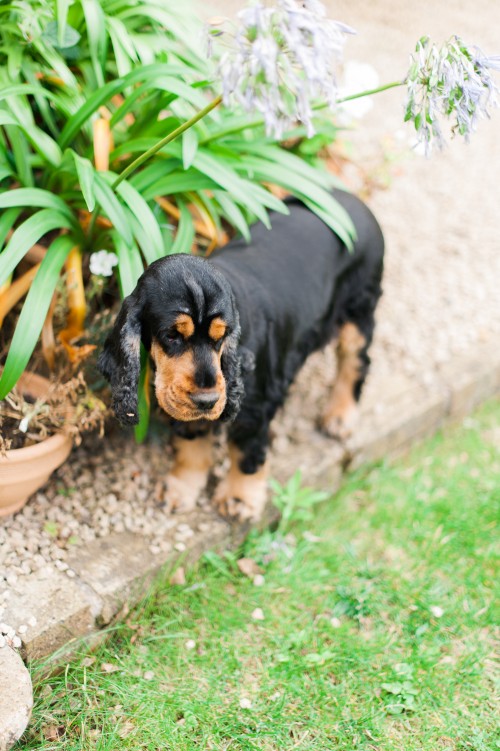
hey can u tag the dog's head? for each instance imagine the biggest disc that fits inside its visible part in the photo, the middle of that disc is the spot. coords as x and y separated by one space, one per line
183 310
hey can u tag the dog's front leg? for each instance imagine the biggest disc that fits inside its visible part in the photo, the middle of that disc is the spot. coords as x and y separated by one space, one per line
189 474
242 494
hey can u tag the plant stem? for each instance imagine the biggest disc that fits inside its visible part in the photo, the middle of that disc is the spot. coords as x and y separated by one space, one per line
368 92
154 149
260 120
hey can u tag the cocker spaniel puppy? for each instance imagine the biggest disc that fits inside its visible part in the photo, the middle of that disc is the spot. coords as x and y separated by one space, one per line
228 334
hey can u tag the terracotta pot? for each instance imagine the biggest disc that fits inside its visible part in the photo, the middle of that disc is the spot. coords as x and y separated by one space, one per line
23 471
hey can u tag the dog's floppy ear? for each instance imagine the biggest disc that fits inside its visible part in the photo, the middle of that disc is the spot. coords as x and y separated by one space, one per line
235 362
119 361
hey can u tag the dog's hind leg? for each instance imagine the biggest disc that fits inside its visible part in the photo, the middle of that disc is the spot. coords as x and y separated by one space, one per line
189 474
341 413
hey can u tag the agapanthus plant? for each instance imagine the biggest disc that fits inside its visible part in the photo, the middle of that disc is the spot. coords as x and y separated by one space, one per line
449 82
91 91
280 60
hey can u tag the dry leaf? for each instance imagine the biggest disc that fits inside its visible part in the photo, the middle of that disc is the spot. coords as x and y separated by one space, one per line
248 567
108 667
178 577
126 728
53 732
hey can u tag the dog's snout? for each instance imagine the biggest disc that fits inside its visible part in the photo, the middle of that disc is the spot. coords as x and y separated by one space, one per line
205 400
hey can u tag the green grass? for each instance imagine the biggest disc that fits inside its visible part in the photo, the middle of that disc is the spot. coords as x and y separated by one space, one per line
378 635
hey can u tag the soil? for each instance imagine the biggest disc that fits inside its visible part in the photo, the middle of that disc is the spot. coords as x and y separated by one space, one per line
10 436
440 220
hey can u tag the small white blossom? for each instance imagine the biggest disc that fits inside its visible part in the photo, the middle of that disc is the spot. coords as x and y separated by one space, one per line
190 644
281 60
449 82
436 611
102 263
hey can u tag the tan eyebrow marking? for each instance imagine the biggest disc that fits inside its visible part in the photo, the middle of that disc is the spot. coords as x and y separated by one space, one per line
217 329
184 325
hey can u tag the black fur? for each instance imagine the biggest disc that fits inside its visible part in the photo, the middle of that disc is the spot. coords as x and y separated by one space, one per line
283 296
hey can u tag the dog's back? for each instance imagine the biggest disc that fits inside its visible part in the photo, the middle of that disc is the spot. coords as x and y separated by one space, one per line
299 277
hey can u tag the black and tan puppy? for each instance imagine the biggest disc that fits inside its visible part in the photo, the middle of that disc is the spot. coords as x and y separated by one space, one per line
229 333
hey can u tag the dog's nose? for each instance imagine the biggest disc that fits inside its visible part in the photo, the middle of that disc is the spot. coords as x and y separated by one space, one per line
205 400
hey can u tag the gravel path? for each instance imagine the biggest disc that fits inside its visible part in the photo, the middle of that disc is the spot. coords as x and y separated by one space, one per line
440 218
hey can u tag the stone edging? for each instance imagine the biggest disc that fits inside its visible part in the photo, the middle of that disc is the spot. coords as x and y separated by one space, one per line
114 573
16 697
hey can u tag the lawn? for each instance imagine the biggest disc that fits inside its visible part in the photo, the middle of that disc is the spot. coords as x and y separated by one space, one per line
372 627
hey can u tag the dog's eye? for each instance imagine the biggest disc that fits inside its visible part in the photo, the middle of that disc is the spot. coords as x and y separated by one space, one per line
172 335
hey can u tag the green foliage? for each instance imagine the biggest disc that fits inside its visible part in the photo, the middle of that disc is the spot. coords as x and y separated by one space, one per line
295 503
400 692
66 66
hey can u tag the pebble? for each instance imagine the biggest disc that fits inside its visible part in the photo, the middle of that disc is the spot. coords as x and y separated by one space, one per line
258 614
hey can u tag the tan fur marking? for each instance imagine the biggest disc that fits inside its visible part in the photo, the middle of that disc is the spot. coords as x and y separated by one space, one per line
184 325
340 414
189 474
239 495
217 329
174 382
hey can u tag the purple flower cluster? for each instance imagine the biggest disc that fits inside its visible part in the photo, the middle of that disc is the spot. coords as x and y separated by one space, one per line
453 81
280 60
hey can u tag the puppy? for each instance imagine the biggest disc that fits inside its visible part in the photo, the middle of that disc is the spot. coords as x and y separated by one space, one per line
228 334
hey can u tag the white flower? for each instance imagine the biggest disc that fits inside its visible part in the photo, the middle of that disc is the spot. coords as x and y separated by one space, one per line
102 263
449 82
281 60
190 644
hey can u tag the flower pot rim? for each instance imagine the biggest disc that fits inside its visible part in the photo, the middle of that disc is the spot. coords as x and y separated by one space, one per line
45 446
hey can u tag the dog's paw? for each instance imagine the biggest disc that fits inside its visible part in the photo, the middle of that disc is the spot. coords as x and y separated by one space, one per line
183 490
242 497
340 424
